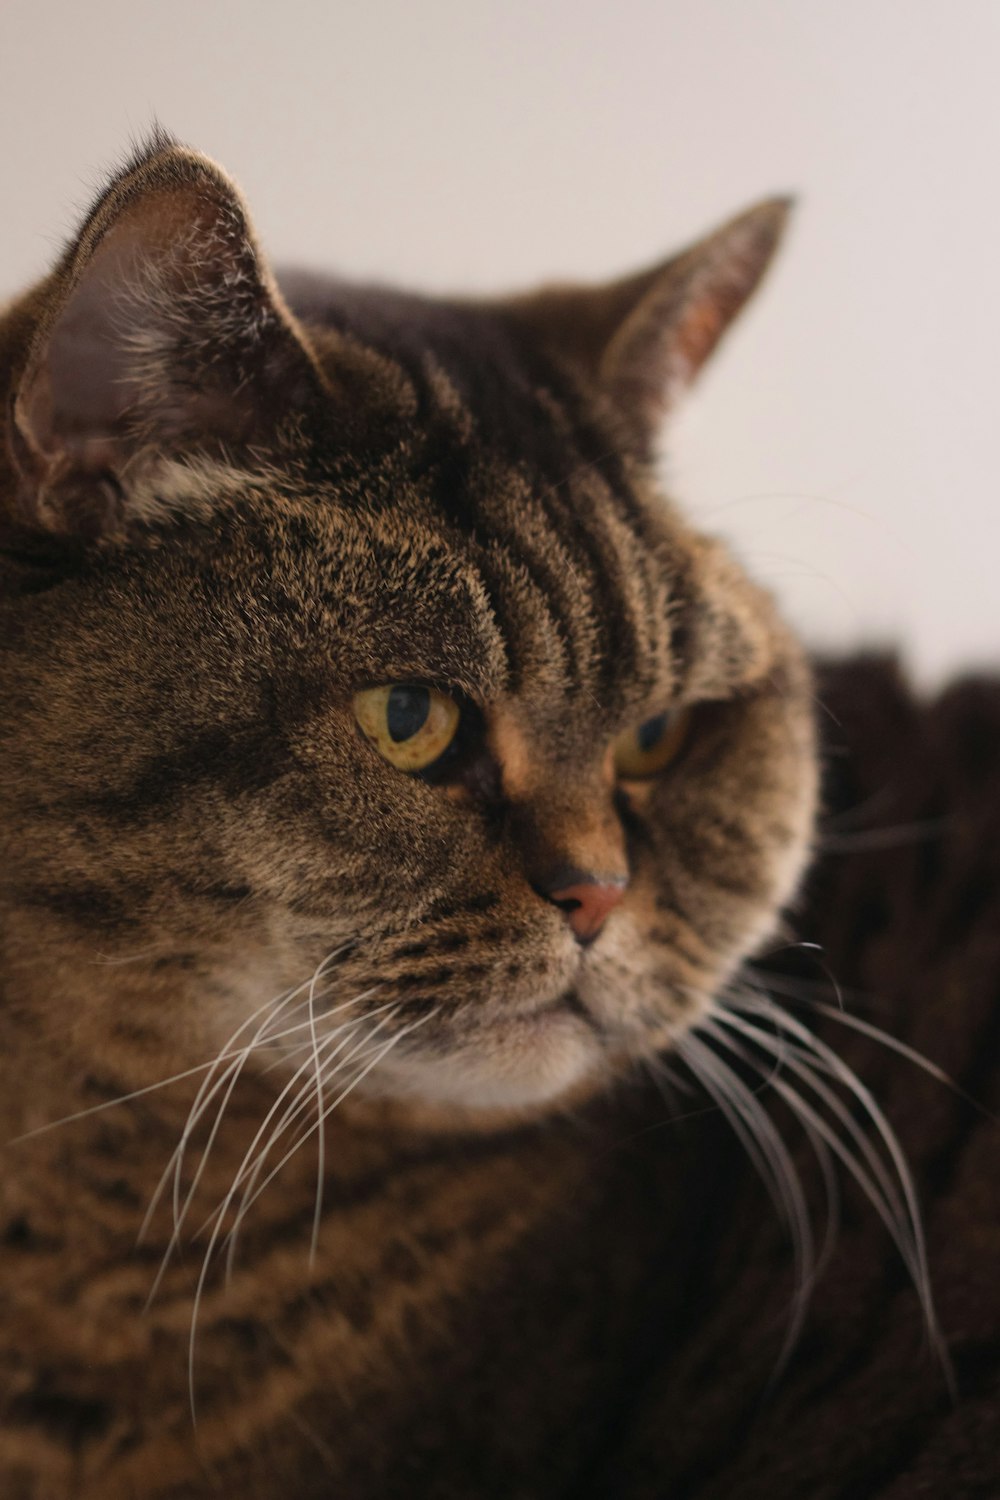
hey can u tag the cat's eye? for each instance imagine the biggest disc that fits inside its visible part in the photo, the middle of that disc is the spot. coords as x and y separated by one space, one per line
412 726
650 747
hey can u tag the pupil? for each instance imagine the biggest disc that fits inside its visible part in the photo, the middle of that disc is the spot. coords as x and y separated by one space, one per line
406 711
649 734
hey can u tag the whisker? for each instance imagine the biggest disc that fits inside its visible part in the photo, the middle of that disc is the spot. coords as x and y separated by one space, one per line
849 1078
262 1037
884 838
893 1044
321 1142
831 1188
906 1228
879 1186
199 1290
195 1111
254 1160
752 979
667 1082
300 1106
219 1217
96 1109
149 1088
209 1088
299 1099
199 1106
317 1124
796 1061
768 1153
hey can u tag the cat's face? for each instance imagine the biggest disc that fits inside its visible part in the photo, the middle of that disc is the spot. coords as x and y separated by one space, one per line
378 672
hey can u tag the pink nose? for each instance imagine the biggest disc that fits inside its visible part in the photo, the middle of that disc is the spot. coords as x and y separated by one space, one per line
587 903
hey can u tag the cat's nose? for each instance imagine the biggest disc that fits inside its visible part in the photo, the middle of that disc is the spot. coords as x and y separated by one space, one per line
586 899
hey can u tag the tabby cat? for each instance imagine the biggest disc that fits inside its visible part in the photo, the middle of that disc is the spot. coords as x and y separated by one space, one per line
392 782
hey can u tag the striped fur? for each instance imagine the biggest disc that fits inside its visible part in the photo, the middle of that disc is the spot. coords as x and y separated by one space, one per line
251 504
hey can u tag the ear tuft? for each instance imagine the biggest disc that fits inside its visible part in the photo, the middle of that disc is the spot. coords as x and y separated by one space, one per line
161 334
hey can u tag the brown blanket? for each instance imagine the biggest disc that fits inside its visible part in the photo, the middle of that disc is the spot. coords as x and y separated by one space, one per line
905 902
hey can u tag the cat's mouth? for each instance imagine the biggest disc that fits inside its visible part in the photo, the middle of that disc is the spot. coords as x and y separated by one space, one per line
522 1058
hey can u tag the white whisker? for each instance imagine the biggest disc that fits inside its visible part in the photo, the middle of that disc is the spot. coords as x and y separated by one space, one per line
893 1195
96 1109
317 1124
263 1036
796 1062
321 1143
208 1087
220 1215
839 1069
893 1044
765 1148
201 1103
254 1159
211 1086
667 1081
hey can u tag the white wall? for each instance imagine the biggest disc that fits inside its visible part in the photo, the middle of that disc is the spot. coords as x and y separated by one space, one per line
845 439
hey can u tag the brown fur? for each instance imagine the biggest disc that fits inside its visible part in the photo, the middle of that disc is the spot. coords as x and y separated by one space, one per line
223 513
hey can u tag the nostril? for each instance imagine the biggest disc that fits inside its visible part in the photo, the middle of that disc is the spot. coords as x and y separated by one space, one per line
587 901
564 903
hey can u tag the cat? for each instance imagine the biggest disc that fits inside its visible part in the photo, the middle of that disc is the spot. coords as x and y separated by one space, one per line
390 776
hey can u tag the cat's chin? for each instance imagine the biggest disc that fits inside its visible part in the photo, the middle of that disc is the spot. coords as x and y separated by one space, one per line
527 1065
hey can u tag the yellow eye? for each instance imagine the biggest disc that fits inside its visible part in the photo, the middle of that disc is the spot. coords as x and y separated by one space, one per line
650 748
410 725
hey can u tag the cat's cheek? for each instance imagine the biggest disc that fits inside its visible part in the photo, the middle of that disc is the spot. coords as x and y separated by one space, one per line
784 860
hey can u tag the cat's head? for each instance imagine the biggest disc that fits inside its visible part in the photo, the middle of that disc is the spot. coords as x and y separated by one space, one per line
350 656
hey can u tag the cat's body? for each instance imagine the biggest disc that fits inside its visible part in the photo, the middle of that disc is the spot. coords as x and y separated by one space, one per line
454 1319
631 1311
257 556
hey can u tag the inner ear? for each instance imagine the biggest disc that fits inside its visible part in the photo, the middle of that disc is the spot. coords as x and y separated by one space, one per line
163 334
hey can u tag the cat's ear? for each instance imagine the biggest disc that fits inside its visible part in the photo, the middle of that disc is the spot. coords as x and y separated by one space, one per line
642 340
161 335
